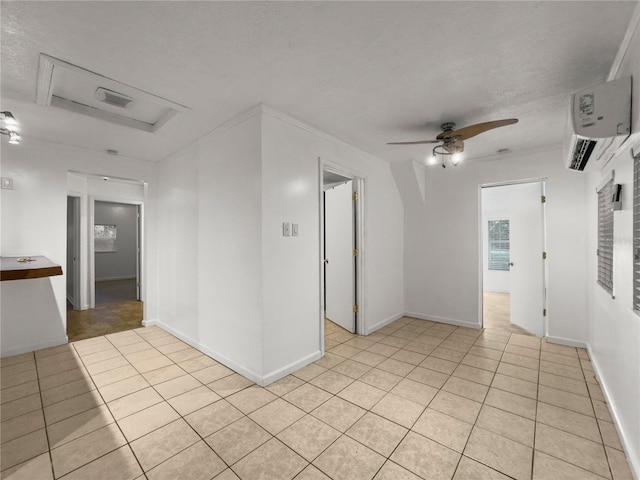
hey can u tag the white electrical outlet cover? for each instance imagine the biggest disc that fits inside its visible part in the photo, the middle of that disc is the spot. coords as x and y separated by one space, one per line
286 229
294 229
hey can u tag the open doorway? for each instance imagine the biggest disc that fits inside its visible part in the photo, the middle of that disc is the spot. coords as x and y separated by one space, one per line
514 253
341 250
114 271
116 249
73 253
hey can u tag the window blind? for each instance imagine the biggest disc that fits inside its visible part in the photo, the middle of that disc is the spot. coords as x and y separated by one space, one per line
605 237
636 233
498 245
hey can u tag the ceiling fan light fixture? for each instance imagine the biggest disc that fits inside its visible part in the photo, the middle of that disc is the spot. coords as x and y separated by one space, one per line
451 140
14 138
432 159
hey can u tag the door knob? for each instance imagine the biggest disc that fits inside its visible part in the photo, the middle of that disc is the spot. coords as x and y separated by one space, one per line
511 264
326 260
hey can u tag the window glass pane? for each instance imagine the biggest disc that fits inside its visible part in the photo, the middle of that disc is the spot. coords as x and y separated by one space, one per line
498 245
105 237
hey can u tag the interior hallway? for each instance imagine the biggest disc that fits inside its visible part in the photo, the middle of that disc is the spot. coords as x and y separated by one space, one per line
416 399
116 310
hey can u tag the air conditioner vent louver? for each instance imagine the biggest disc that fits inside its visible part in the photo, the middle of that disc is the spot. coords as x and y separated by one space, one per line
598 124
113 98
581 154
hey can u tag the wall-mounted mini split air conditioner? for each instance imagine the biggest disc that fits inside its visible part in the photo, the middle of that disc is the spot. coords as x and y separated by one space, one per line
599 122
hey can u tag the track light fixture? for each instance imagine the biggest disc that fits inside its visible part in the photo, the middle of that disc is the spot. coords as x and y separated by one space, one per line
9 127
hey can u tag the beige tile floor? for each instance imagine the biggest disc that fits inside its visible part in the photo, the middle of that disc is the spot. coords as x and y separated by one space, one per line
496 313
414 400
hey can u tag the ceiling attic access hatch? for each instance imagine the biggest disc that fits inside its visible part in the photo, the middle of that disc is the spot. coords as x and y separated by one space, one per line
67 86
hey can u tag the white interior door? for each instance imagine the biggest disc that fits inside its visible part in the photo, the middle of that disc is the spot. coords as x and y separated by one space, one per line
526 248
339 260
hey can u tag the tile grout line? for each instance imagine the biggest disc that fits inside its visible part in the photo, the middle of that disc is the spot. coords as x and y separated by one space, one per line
358 379
44 419
112 416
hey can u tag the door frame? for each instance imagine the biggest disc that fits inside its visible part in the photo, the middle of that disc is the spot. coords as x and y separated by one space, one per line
481 245
358 183
139 242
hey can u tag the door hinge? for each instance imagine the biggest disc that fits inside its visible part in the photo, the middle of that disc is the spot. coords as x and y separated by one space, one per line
544 255
355 309
355 196
544 312
543 199
356 252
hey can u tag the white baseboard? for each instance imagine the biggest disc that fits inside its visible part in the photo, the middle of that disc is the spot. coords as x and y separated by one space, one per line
259 379
449 321
108 279
31 348
241 369
567 341
71 300
236 367
292 367
382 323
634 460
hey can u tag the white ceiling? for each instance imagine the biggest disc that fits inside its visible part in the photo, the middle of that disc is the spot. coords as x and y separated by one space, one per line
365 72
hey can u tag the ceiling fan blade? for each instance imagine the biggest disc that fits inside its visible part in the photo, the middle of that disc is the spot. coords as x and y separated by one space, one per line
413 143
473 130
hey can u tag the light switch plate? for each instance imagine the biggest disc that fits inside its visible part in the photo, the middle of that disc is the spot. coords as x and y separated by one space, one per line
286 229
7 183
294 229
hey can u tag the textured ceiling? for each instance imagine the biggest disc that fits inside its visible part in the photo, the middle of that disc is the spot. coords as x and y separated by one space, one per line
364 72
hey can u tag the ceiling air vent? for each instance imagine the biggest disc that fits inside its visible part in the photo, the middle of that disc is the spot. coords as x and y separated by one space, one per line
73 88
112 98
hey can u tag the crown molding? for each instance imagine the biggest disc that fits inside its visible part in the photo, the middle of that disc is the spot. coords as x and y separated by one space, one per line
626 42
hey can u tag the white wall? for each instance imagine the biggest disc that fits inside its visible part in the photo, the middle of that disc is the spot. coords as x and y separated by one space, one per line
210 245
442 241
613 327
34 223
291 149
121 263
257 293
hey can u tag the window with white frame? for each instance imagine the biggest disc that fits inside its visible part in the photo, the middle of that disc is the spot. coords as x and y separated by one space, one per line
498 236
605 236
